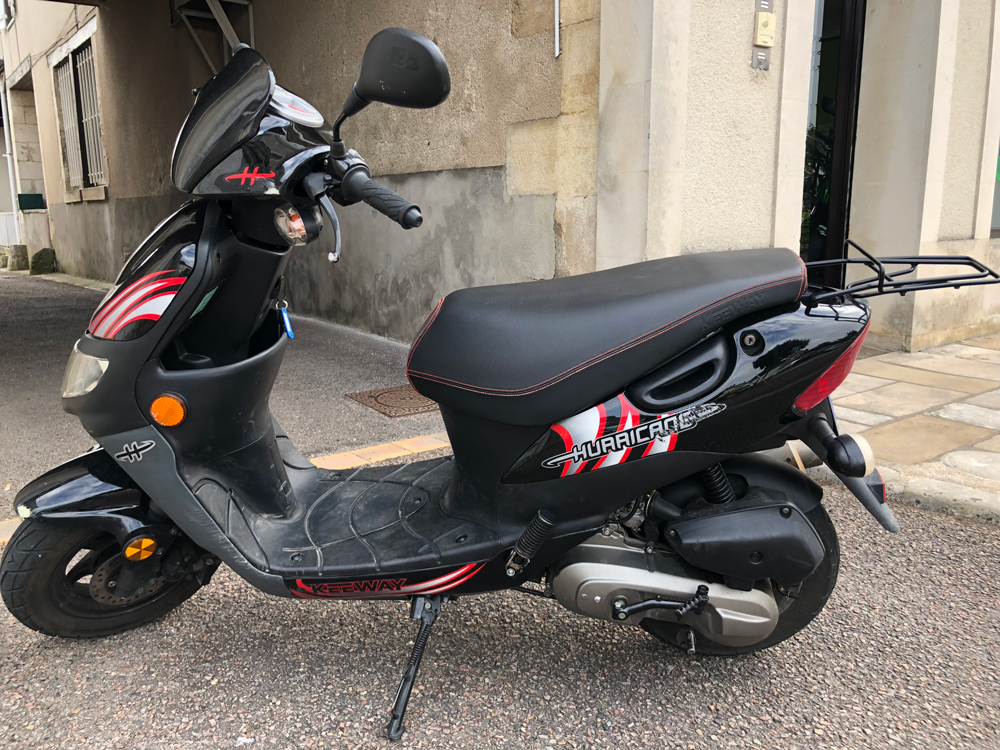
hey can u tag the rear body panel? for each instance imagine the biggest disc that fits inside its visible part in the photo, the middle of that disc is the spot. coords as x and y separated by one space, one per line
791 350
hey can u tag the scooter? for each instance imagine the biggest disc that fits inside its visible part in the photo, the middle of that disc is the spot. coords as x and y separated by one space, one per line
606 428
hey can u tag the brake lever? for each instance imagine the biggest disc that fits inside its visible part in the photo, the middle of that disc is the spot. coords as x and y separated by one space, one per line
316 185
327 204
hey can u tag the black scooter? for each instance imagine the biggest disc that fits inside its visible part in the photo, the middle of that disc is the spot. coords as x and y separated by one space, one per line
605 427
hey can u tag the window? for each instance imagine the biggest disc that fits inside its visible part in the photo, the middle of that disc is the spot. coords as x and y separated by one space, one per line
8 9
76 92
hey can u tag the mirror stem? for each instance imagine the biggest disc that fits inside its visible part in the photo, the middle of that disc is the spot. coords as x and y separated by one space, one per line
336 126
337 148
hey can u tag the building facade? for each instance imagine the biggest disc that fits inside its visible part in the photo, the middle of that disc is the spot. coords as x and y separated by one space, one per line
643 129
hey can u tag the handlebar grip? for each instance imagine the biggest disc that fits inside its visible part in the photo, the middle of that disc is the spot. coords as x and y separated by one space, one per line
358 186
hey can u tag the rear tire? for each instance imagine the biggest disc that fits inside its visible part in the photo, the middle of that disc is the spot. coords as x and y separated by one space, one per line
795 614
46 590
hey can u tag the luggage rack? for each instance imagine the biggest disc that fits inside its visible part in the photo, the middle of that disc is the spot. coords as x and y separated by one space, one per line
889 282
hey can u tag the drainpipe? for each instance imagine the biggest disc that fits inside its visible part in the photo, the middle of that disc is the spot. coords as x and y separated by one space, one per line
9 156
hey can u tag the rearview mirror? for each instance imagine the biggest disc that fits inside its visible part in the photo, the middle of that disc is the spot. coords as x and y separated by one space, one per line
402 68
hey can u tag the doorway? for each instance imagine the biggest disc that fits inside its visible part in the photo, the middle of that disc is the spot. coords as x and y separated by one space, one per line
838 36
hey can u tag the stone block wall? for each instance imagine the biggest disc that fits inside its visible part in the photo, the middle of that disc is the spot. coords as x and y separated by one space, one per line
26 142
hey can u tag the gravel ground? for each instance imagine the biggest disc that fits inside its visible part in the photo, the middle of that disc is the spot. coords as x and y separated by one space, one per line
883 666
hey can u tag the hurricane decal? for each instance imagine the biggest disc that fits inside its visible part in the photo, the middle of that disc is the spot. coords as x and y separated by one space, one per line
606 435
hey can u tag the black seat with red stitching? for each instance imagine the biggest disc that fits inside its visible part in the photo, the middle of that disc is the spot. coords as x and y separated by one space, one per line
538 352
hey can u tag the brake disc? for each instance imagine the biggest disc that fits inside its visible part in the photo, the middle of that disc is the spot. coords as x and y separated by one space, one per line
103 580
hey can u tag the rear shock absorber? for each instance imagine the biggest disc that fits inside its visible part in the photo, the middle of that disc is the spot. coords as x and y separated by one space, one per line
717 486
530 542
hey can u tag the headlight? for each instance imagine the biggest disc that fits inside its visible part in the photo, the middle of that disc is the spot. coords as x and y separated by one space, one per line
82 373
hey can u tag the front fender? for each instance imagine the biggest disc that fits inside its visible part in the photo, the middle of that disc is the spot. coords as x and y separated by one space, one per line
89 491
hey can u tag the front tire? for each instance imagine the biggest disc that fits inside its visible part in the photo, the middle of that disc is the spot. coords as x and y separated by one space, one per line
45 583
795 613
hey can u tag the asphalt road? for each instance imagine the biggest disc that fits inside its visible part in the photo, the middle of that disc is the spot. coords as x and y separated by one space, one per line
906 654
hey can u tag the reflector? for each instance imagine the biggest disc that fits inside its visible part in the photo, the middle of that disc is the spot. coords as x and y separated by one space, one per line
168 410
140 549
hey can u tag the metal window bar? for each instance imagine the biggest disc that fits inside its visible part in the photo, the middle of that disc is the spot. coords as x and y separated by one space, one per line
90 115
70 119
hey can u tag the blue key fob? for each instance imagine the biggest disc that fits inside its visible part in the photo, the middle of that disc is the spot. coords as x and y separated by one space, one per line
286 322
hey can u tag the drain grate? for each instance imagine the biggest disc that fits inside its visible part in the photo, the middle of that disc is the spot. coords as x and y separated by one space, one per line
399 401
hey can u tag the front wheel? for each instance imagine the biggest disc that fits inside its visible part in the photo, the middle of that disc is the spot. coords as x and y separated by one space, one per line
796 607
56 580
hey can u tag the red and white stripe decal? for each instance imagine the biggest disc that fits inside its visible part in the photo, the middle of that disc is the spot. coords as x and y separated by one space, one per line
444 583
146 299
434 586
116 301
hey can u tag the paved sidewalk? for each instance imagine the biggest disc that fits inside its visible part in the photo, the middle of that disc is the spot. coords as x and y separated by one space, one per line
933 420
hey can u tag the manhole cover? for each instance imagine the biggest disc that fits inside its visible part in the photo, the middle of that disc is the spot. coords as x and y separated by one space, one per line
399 401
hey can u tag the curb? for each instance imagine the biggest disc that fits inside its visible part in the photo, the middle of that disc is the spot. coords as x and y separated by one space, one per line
383 452
934 495
65 278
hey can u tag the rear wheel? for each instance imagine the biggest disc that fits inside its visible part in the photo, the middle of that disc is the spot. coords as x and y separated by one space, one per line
797 607
60 581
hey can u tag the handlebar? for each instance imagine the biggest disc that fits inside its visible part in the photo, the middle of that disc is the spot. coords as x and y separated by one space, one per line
357 185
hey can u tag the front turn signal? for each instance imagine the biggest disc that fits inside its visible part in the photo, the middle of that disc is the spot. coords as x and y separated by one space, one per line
168 410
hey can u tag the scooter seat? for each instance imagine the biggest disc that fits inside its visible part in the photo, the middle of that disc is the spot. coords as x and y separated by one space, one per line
537 352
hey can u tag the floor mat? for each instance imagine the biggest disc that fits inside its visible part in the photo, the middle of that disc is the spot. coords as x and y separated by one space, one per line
398 401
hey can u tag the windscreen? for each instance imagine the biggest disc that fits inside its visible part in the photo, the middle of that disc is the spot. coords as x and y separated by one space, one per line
226 114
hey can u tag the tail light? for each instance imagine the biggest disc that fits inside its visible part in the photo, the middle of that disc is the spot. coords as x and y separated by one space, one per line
830 380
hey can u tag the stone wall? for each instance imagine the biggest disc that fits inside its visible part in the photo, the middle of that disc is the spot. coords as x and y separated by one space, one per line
26 142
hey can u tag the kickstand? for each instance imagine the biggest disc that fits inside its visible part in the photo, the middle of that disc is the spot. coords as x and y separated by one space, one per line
425 609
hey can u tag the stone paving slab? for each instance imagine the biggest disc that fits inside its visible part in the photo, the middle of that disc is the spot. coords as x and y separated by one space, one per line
990 400
856 416
951 365
993 444
971 414
889 372
967 352
982 464
858 383
921 438
989 342
899 399
934 426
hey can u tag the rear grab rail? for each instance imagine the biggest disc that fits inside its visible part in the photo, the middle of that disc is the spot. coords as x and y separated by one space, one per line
887 281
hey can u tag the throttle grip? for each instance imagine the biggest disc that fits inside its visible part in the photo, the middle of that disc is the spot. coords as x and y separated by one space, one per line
357 185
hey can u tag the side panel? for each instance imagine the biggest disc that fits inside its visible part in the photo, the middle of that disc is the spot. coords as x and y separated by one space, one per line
752 404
